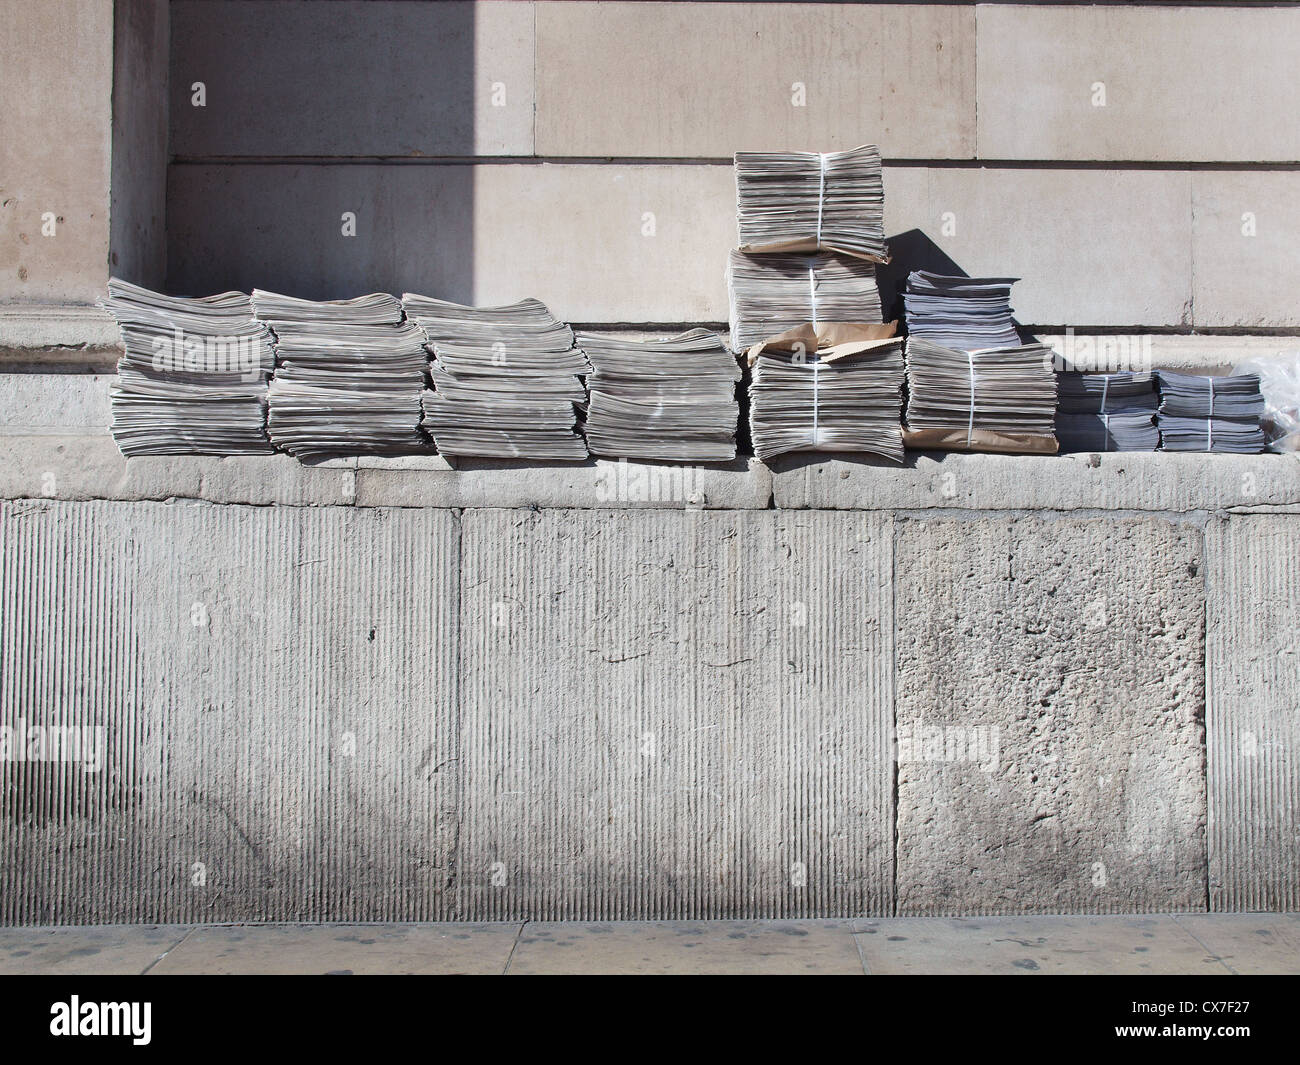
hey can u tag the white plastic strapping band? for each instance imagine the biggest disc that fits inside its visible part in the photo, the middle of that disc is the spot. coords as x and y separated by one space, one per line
970 425
1209 422
1105 431
821 195
1105 387
812 291
816 408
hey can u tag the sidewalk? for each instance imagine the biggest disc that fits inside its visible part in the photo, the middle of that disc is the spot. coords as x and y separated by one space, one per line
1153 944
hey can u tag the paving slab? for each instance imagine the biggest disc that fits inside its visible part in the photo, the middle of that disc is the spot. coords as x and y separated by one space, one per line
697 947
1020 946
107 950
403 949
1252 944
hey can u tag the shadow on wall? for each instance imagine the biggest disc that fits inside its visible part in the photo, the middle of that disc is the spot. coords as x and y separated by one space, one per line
308 148
914 250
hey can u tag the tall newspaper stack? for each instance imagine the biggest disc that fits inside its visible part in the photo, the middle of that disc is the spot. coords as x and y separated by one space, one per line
811 230
507 381
972 385
192 379
348 379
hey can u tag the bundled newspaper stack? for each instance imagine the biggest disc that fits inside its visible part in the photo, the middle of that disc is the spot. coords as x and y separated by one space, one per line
806 201
840 398
662 399
1210 413
1107 412
963 313
999 400
348 378
506 380
771 294
193 375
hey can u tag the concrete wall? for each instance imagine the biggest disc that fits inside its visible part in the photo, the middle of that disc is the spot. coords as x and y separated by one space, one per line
394 689
1126 186
138 235
56 80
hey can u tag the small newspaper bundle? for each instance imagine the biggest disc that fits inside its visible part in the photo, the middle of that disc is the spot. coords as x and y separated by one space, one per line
1107 412
772 294
192 379
349 376
834 388
671 399
1000 400
811 201
1210 413
506 380
963 313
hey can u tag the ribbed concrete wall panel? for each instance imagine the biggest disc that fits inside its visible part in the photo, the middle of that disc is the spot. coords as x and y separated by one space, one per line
1050 716
354 78
675 715
1148 83
703 80
277 689
1252 722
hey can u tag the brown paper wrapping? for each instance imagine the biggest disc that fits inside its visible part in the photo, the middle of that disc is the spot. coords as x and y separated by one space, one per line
828 340
807 244
980 440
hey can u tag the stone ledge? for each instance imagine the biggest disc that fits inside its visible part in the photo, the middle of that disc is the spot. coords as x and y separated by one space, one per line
1117 481
87 465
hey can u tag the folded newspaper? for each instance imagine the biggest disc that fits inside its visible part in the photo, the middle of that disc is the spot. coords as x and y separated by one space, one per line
672 399
1107 412
506 380
770 294
999 400
835 387
193 375
349 376
810 201
1220 414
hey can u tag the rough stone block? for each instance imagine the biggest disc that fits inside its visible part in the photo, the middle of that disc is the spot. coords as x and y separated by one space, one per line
1050 716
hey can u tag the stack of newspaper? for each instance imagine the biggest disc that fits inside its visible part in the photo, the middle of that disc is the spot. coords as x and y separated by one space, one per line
662 399
193 375
1107 412
1210 413
964 313
506 380
803 201
773 293
1000 400
828 402
348 377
